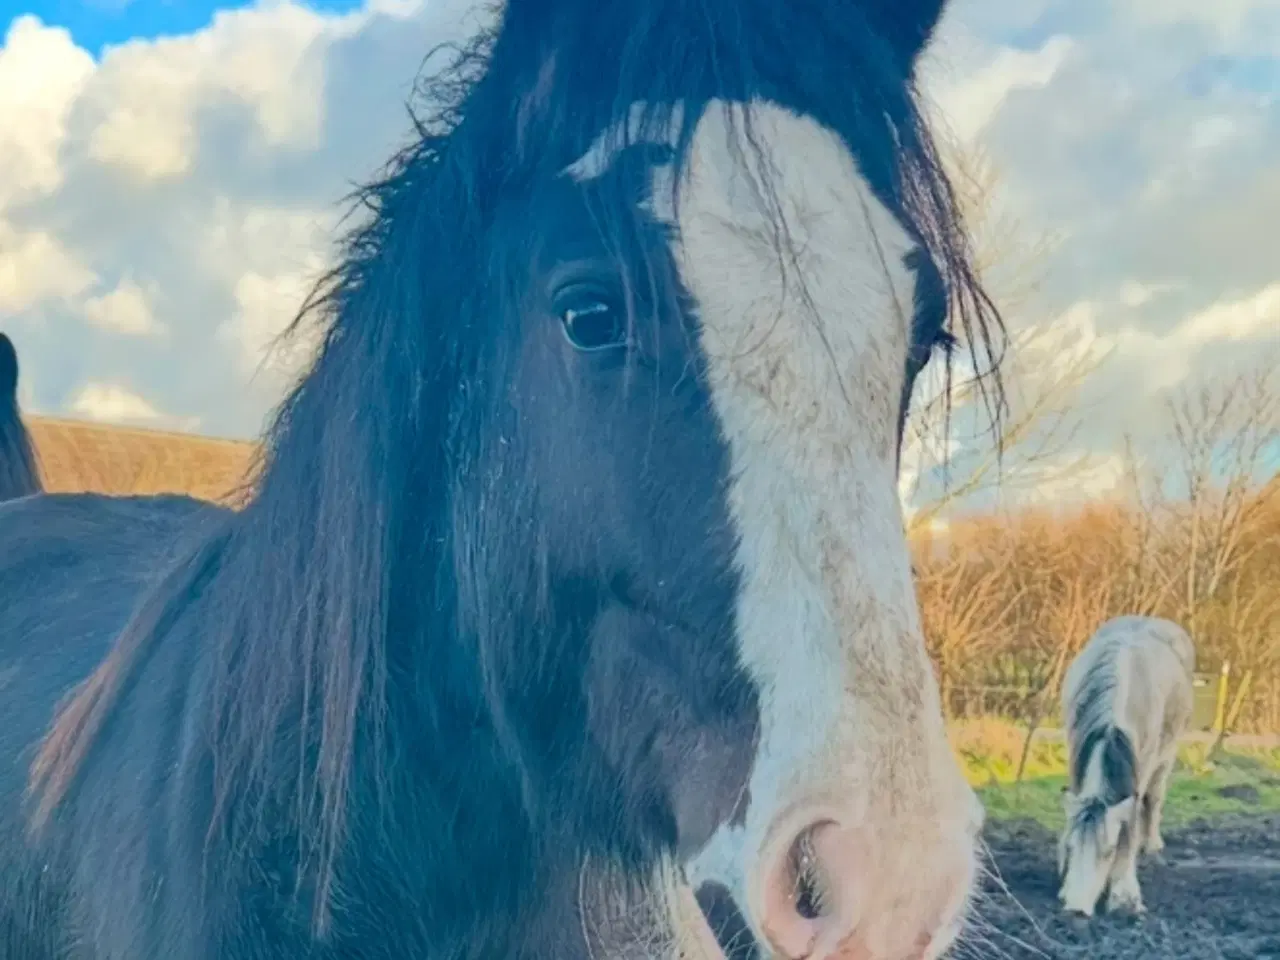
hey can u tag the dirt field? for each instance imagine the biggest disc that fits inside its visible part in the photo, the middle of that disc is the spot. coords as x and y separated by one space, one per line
1216 896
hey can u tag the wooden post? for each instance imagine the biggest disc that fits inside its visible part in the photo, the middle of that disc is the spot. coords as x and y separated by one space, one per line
1229 720
1220 710
1242 691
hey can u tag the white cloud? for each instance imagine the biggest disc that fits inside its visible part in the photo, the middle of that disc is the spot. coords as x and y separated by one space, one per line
143 98
270 258
42 72
1134 294
265 305
1254 317
112 403
967 99
189 186
125 310
1229 20
1169 357
1148 149
1142 364
35 266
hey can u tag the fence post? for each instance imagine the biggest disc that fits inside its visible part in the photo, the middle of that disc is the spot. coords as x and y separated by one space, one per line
1237 702
1220 709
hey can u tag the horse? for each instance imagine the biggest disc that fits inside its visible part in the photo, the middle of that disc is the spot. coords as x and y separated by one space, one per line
573 579
1127 698
19 476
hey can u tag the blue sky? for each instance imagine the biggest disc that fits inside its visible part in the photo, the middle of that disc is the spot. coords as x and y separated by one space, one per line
98 23
171 172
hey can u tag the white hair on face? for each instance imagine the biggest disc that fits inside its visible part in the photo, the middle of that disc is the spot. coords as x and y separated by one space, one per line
798 276
806 303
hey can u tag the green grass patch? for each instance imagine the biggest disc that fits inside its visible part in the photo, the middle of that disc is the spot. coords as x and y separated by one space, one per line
1240 781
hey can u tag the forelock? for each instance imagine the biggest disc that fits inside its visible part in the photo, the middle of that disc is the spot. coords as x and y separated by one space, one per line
1088 822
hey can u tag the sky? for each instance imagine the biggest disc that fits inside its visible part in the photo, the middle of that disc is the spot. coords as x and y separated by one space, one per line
172 173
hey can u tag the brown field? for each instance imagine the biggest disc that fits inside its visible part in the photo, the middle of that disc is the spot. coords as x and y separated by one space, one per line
76 456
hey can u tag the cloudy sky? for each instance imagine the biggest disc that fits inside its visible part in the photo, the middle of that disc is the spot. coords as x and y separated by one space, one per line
171 172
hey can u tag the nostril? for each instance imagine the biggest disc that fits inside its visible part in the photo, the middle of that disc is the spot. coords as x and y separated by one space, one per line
806 897
827 890
809 885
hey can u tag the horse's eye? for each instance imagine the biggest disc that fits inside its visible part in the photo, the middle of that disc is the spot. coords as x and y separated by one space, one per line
593 324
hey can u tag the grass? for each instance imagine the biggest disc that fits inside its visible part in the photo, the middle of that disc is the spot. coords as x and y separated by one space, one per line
989 751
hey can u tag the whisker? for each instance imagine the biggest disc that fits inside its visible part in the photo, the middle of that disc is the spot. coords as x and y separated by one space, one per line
1016 941
991 870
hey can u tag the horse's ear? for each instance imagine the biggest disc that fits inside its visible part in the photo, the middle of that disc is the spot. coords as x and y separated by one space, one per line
907 25
8 368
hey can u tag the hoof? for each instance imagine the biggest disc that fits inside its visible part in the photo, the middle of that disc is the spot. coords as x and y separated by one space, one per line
1131 907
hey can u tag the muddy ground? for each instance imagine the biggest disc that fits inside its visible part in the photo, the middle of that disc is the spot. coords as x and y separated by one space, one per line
1215 896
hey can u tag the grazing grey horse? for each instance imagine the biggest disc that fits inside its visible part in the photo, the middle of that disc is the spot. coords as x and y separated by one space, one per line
1126 700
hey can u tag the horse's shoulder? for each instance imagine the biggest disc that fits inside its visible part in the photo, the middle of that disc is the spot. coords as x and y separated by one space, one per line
69 515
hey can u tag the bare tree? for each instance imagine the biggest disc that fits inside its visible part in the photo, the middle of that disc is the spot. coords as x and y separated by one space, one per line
1043 366
1011 257
1078 594
965 603
1145 580
1225 434
1251 625
1214 502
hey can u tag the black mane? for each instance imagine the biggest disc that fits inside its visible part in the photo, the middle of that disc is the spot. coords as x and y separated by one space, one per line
1119 763
350 572
1092 718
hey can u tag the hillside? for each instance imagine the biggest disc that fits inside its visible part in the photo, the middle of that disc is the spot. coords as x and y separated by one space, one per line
79 456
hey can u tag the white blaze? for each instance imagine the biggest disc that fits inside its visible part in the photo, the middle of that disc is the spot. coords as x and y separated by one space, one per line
805 333
806 338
